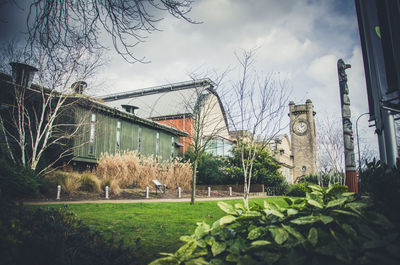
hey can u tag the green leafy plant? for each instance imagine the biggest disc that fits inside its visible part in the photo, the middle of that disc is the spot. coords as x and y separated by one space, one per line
328 226
299 189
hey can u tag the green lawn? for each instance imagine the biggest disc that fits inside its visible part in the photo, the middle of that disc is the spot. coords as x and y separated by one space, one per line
152 227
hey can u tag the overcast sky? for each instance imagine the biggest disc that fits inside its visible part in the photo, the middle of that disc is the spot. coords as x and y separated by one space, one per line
299 39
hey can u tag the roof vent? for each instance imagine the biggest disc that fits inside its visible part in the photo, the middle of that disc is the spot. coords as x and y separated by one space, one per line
79 86
22 74
130 108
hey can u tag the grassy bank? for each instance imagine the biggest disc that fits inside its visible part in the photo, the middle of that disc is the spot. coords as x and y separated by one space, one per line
152 227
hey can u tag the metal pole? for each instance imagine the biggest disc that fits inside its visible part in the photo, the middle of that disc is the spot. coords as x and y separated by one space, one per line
179 192
390 137
107 189
209 192
58 192
358 142
147 192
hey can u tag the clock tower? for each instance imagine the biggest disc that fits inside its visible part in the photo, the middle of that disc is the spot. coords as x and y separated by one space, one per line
303 138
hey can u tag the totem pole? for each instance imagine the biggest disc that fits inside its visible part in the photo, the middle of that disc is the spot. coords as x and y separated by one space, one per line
350 162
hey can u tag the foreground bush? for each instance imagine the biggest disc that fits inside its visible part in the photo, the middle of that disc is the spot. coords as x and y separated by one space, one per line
18 182
54 236
329 226
128 168
382 184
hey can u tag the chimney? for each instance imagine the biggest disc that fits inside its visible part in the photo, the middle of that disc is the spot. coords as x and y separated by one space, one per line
22 74
79 87
129 108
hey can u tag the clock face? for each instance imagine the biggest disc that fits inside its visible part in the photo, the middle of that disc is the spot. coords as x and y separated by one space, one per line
300 127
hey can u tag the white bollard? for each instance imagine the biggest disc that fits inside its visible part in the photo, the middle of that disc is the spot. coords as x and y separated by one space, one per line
107 189
147 192
230 191
179 192
209 191
58 192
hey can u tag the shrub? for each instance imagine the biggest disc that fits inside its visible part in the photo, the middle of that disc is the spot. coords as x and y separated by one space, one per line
383 185
17 181
276 185
112 184
322 178
312 178
54 236
89 182
265 166
327 227
211 170
299 189
69 181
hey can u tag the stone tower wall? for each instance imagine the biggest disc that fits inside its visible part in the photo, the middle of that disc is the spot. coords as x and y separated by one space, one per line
304 144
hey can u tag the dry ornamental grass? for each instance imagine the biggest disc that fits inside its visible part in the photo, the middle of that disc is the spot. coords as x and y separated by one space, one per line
128 169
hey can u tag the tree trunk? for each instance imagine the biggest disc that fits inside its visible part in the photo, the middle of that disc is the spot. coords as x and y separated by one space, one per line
245 196
193 197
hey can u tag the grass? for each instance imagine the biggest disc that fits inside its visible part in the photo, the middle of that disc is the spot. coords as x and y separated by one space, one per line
152 228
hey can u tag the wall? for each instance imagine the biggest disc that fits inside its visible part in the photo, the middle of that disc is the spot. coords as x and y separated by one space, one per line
303 145
105 138
214 119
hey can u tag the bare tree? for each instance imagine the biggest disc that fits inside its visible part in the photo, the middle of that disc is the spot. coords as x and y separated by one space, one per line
41 116
58 24
330 145
208 122
255 110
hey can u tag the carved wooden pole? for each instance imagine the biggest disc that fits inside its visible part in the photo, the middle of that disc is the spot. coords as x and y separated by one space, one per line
350 162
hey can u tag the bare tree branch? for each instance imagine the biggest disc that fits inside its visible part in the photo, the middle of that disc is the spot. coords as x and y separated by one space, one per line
255 111
56 24
42 116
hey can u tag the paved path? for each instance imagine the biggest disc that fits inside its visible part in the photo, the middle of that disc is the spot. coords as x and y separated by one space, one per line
137 200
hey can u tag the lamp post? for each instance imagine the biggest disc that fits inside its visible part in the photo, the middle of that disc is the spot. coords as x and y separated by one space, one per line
358 142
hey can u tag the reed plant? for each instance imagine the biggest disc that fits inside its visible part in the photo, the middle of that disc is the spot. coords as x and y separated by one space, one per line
128 168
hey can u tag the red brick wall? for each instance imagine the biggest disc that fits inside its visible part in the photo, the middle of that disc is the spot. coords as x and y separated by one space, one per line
185 125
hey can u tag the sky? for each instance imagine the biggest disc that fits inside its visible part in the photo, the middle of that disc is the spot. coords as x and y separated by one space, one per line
301 40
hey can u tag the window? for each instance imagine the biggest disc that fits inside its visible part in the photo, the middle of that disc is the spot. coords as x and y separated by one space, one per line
92 134
140 140
118 135
172 146
158 144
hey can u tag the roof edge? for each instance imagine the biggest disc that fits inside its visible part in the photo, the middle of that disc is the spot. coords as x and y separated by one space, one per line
159 89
